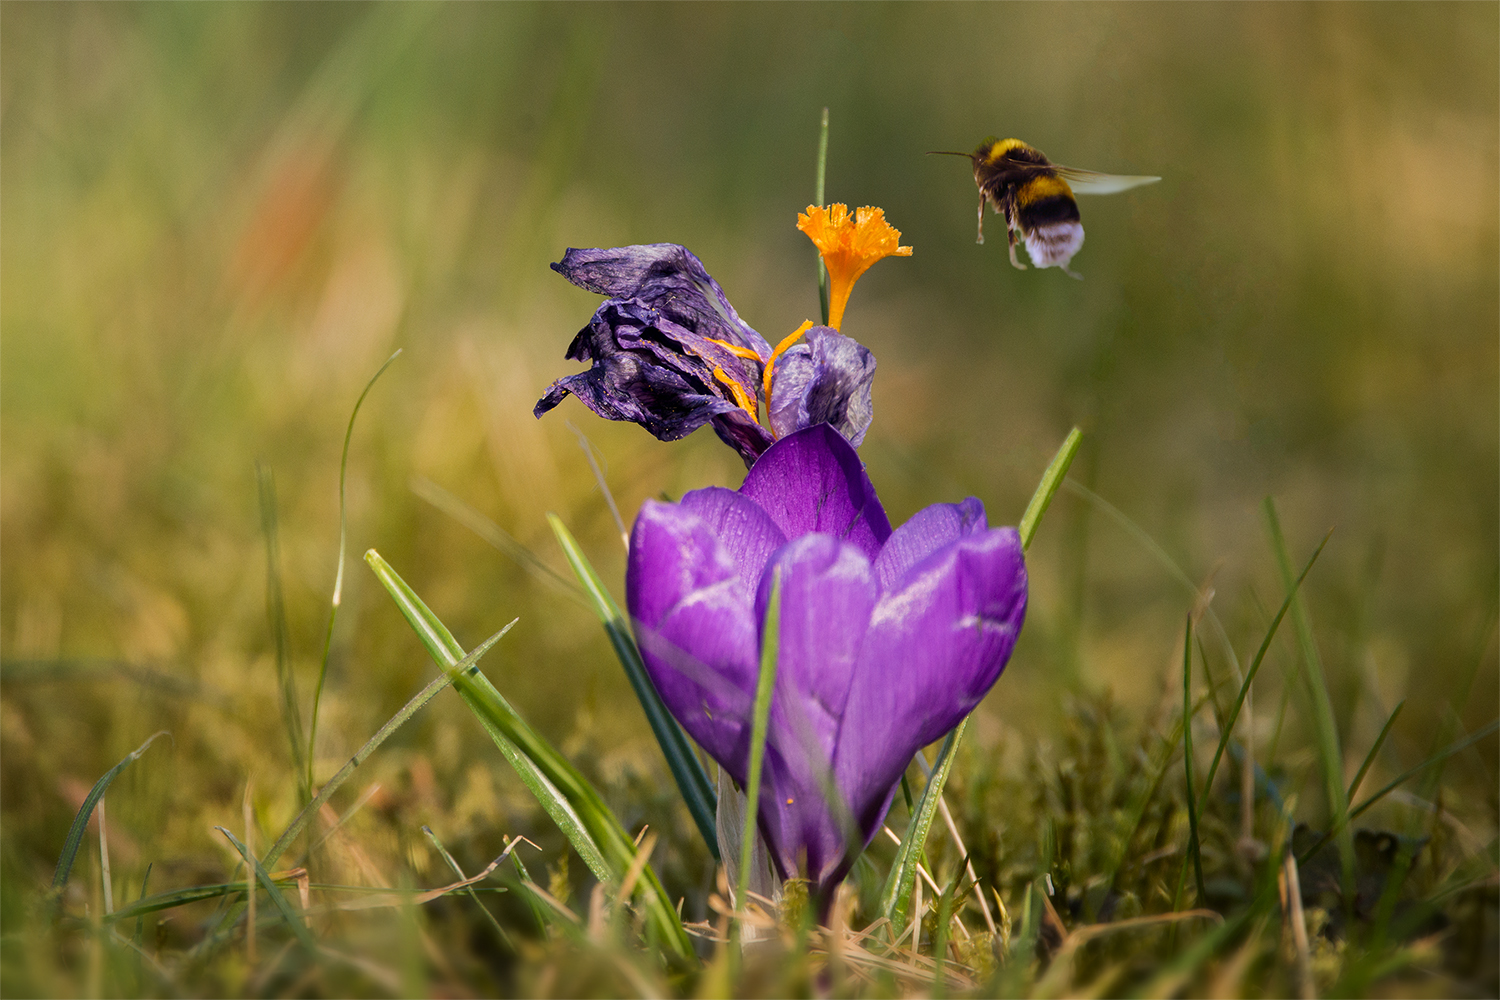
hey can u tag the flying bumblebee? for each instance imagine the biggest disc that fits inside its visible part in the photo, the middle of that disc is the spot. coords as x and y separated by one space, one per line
1036 197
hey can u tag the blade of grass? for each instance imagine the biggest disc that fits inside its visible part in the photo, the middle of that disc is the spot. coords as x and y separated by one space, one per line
74 839
497 536
940 937
298 926
1330 755
1187 759
395 722
559 787
1385 731
505 938
692 780
1227 729
895 895
1057 470
1437 758
818 200
338 577
765 686
276 615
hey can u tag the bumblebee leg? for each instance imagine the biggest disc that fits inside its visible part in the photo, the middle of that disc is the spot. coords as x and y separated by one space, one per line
1070 272
1010 235
981 218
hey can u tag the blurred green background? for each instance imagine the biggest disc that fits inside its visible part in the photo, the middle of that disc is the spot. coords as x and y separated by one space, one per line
218 220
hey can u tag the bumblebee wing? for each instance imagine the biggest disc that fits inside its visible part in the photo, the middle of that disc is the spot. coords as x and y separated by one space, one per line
1093 182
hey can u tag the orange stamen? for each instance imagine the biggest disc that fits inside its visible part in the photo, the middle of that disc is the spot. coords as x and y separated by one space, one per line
788 341
736 350
848 247
741 397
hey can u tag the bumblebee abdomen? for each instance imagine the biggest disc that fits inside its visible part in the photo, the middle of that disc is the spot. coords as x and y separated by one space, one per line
1044 200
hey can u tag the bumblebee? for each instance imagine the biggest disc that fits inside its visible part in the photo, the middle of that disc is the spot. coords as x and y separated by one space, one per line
1036 197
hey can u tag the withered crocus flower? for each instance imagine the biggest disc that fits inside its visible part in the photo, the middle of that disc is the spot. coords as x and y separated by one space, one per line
887 639
670 353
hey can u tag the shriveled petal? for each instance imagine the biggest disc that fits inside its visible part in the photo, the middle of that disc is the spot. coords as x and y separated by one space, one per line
669 278
929 529
812 480
653 371
744 531
936 644
824 378
827 595
694 622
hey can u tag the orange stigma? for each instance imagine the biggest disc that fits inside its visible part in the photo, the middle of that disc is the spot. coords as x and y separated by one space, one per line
848 247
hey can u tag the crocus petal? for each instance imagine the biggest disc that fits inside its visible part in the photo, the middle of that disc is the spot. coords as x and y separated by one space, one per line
929 529
813 481
668 351
668 278
824 378
827 595
744 531
694 622
935 645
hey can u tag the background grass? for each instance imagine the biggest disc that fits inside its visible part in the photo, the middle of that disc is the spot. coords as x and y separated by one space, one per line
218 220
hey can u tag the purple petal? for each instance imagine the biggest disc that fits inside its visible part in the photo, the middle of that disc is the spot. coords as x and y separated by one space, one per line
669 278
813 481
653 371
929 529
827 595
745 532
694 622
936 644
825 378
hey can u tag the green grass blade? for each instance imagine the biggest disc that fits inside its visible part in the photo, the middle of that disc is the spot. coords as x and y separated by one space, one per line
338 577
1385 731
74 838
1405 776
818 200
765 687
1047 488
446 653
559 787
1194 848
692 779
500 933
395 722
895 896
1227 729
1330 755
276 614
298 926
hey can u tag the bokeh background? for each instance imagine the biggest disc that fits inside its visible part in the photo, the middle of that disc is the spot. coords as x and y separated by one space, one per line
218 220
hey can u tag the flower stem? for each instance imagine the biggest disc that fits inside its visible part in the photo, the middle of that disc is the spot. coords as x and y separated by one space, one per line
818 200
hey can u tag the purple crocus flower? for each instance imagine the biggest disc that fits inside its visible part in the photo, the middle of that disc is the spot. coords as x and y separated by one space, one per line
670 353
887 638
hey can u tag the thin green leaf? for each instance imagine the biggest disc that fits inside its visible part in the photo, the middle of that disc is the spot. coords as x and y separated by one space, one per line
338 577
818 200
446 652
1187 759
895 896
505 938
74 838
1385 730
395 722
1227 729
291 714
765 686
1047 488
1325 728
559 787
692 779
299 928
1437 758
